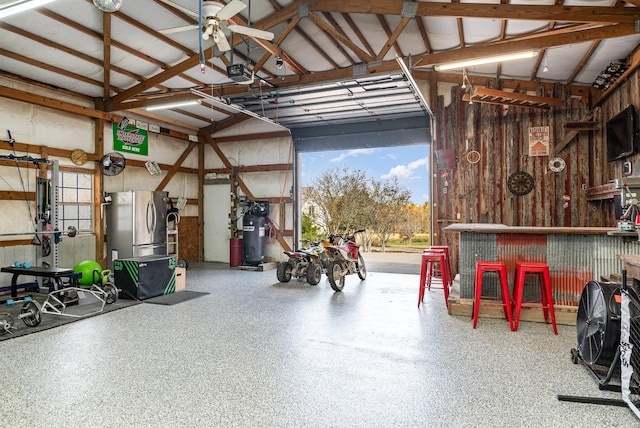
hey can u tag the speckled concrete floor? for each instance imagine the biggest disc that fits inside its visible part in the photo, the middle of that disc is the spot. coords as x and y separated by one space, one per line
258 353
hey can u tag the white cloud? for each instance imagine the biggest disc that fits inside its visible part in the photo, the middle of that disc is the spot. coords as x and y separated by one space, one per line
407 172
352 153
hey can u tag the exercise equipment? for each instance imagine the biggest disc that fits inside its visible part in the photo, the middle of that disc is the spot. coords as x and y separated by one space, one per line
6 322
90 272
100 287
31 313
46 216
71 232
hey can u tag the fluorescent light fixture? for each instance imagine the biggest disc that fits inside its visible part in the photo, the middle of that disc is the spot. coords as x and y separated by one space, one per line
222 103
173 105
487 60
18 6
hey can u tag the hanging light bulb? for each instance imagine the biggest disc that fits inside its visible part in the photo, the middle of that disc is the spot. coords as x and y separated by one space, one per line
108 5
545 69
464 75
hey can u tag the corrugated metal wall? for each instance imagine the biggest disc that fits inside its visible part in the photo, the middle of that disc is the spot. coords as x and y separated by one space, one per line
573 260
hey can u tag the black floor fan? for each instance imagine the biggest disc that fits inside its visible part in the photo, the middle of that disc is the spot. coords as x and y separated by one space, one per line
598 327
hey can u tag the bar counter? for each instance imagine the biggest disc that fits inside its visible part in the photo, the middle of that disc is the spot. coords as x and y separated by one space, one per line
502 228
575 255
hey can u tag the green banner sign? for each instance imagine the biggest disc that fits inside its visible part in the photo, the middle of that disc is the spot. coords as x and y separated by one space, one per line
130 140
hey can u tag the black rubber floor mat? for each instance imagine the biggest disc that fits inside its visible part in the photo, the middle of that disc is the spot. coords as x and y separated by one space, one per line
174 298
52 320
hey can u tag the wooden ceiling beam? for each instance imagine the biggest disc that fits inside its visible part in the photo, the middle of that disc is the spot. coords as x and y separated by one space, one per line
392 37
51 68
362 55
270 47
503 36
423 34
611 15
176 166
113 43
283 15
154 33
321 51
106 55
113 103
354 27
335 43
584 60
288 29
62 48
544 41
39 100
232 121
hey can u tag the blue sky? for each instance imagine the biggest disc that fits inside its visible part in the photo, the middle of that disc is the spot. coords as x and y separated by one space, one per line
408 163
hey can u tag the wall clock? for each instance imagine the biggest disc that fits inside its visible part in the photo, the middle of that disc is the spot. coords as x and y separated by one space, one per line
79 157
520 183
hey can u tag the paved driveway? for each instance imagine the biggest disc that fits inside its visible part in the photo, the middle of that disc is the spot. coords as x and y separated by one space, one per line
393 262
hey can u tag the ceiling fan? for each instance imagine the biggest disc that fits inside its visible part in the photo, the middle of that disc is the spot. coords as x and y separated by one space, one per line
214 17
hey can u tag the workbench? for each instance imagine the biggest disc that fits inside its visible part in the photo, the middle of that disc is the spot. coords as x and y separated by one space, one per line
55 274
631 263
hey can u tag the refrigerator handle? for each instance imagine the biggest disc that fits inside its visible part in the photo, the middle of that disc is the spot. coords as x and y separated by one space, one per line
151 209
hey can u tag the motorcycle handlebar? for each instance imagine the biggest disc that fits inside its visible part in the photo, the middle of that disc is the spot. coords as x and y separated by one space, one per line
343 236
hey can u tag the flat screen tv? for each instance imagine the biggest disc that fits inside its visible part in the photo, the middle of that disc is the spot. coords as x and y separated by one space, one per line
621 134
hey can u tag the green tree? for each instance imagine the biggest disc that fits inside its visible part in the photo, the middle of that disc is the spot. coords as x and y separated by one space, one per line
310 230
388 200
346 200
412 221
340 197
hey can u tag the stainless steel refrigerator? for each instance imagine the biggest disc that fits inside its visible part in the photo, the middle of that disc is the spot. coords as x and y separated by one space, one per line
136 224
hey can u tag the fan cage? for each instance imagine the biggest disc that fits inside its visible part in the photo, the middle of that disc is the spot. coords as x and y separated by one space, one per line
630 361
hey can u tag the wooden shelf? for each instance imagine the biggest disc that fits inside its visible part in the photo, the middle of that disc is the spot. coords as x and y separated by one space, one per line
493 96
582 126
603 192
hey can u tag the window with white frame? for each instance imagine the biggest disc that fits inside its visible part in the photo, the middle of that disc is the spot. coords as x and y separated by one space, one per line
75 201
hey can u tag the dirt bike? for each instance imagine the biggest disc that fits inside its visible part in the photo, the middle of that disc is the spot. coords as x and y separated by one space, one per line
344 259
302 263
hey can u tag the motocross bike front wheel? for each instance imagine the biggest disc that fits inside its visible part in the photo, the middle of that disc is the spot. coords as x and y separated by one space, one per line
284 271
314 273
336 276
362 268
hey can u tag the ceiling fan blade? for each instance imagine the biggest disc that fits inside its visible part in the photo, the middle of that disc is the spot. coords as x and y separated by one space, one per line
230 10
248 31
181 8
221 41
178 29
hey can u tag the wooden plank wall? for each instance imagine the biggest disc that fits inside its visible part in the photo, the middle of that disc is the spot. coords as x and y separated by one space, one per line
478 193
188 232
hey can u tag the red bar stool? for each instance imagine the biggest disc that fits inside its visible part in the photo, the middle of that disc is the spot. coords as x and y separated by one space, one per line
429 259
546 296
447 262
482 267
